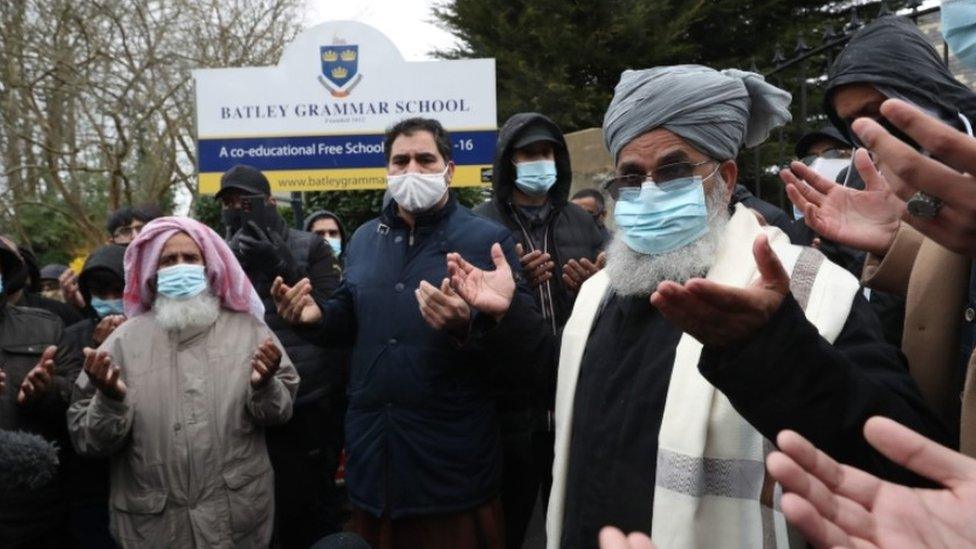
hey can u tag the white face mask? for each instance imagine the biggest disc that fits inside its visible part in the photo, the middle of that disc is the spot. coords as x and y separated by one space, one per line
830 168
417 192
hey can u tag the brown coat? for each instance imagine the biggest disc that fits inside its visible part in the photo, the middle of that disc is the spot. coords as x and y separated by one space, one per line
933 281
189 465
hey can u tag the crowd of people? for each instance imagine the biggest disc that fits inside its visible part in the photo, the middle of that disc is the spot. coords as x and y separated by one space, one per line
713 371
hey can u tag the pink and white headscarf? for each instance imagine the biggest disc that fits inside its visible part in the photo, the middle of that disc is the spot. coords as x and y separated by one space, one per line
225 275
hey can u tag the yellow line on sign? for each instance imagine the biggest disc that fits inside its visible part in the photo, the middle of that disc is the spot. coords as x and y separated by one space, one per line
357 179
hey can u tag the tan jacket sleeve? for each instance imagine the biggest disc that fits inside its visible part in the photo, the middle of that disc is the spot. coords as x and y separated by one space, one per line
891 273
99 425
272 404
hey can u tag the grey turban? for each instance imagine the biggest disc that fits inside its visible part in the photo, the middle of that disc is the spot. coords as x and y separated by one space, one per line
717 112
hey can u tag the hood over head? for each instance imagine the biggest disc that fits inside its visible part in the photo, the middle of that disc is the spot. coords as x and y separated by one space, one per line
319 214
109 257
503 173
892 53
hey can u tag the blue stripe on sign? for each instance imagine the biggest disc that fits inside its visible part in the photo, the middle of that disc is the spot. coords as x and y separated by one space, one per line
323 152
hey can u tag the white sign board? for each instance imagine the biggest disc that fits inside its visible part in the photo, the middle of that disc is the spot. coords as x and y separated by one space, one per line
316 120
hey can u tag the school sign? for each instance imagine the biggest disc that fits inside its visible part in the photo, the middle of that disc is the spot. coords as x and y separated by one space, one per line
315 121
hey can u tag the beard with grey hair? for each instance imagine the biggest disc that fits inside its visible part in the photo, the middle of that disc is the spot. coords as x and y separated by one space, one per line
194 313
633 273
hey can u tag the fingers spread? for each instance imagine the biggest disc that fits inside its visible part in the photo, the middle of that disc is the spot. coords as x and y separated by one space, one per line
954 148
919 454
815 528
911 170
849 482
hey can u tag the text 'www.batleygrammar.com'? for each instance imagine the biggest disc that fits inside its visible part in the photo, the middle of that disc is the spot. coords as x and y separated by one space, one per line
336 183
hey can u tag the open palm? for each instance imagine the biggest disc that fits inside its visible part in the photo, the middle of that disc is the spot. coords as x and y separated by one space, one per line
867 220
489 292
837 505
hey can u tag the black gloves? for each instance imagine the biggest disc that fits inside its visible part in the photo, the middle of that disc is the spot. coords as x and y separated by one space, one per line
266 251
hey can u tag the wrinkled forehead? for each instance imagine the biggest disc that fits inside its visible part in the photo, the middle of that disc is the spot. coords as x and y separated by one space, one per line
657 147
180 245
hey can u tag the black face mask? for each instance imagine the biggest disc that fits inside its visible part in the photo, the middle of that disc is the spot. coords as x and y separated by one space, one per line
231 218
15 281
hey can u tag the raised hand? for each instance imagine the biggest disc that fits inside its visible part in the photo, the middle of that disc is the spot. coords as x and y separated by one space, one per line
536 266
866 220
295 304
69 289
946 174
443 308
575 273
103 374
105 328
265 363
38 379
612 538
716 314
490 292
838 505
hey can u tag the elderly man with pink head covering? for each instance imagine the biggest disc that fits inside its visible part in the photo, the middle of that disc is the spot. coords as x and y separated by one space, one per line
178 396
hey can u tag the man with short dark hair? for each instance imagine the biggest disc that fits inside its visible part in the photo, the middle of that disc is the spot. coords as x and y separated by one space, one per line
307 508
123 226
593 202
424 458
125 223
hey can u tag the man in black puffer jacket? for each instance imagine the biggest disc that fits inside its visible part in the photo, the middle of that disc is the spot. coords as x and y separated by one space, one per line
38 370
305 451
560 243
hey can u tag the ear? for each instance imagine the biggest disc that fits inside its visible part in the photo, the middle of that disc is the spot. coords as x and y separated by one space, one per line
450 173
272 201
730 174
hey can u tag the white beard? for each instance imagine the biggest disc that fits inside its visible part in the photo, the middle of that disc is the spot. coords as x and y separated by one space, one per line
636 274
197 312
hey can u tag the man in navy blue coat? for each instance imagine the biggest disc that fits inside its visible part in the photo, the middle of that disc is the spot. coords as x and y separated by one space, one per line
423 450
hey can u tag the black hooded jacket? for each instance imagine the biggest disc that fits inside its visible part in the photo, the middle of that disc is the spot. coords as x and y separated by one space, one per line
109 257
321 370
88 478
892 52
24 335
570 232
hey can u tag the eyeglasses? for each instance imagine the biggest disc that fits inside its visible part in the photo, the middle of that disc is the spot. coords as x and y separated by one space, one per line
661 176
124 235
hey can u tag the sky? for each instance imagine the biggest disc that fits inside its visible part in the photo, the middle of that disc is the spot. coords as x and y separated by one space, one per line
408 23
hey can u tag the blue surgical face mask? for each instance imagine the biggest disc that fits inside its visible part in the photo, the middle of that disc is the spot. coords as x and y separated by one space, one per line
959 29
335 244
656 221
535 178
181 281
106 307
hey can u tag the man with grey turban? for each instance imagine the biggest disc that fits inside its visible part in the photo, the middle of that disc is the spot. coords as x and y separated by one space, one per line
705 335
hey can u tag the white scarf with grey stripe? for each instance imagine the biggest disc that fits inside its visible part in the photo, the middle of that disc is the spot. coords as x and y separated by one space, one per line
711 486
